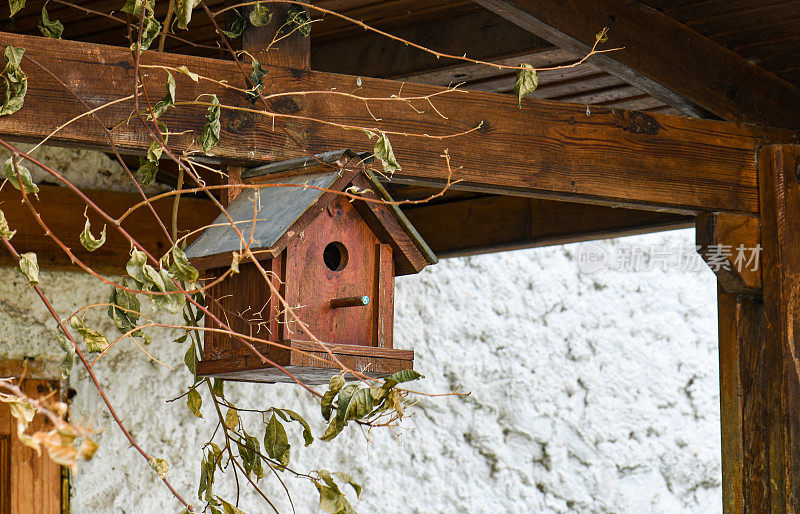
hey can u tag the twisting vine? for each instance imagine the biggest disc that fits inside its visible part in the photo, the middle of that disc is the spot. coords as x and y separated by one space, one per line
171 284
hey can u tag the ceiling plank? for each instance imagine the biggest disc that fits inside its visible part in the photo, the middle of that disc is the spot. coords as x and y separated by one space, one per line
499 223
655 58
544 148
479 35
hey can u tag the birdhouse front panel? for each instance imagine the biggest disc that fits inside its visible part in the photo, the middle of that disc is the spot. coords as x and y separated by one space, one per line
331 265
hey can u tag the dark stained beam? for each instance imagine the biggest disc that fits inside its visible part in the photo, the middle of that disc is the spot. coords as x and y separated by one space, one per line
498 223
661 57
479 34
544 149
62 212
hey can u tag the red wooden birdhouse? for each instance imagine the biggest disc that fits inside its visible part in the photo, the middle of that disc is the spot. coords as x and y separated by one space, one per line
332 258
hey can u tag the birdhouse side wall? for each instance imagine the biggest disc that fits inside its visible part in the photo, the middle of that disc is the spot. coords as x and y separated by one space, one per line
244 302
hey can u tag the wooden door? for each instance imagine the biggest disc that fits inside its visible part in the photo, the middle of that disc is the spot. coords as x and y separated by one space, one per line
29 484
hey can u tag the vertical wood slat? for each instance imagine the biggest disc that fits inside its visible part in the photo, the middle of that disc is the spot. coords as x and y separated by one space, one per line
384 296
5 473
779 185
34 482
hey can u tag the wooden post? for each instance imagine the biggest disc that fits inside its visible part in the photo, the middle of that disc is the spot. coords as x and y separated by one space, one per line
760 355
779 187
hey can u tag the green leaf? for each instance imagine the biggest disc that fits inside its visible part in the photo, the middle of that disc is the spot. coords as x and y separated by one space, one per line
231 419
160 466
331 499
16 81
133 7
343 400
181 269
526 83
250 456
24 176
260 15
308 437
15 6
183 12
135 266
150 28
5 230
297 18
190 358
228 508
124 310
236 26
334 428
210 135
88 240
384 152
173 302
276 443
166 102
29 266
344 477
95 341
50 28
360 405
69 356
335 384
184 70
405 375
194 401
257 78
147 171
219 387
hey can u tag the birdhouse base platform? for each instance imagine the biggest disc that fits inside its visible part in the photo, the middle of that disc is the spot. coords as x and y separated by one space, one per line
308 362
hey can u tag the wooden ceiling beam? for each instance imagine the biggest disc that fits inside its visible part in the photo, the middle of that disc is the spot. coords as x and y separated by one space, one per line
499 223
661 57
543 149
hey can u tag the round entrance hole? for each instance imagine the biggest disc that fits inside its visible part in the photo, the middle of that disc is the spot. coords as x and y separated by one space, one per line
335 256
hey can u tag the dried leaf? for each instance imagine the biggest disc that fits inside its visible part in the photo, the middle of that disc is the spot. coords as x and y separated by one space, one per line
384 152
135 266
257 78
88 240
231 419
50 28
5 230
210 135
29 266
308 437
360 405
235 263
526 83
88 448
194 401
344 477
160 466
24 176
184 70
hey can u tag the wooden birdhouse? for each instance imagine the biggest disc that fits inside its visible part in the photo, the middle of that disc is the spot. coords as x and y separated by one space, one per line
332 258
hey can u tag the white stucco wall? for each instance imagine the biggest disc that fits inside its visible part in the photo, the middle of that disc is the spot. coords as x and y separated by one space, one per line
590 392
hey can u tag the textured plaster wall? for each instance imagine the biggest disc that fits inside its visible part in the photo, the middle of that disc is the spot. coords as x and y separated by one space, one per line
589 393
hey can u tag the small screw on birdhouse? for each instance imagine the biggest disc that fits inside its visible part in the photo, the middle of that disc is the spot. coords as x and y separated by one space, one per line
334 257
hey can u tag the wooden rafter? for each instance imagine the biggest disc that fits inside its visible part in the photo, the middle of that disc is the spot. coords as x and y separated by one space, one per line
546 149
661 57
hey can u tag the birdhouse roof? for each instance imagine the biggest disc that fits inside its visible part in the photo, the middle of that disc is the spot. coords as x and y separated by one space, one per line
294 193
